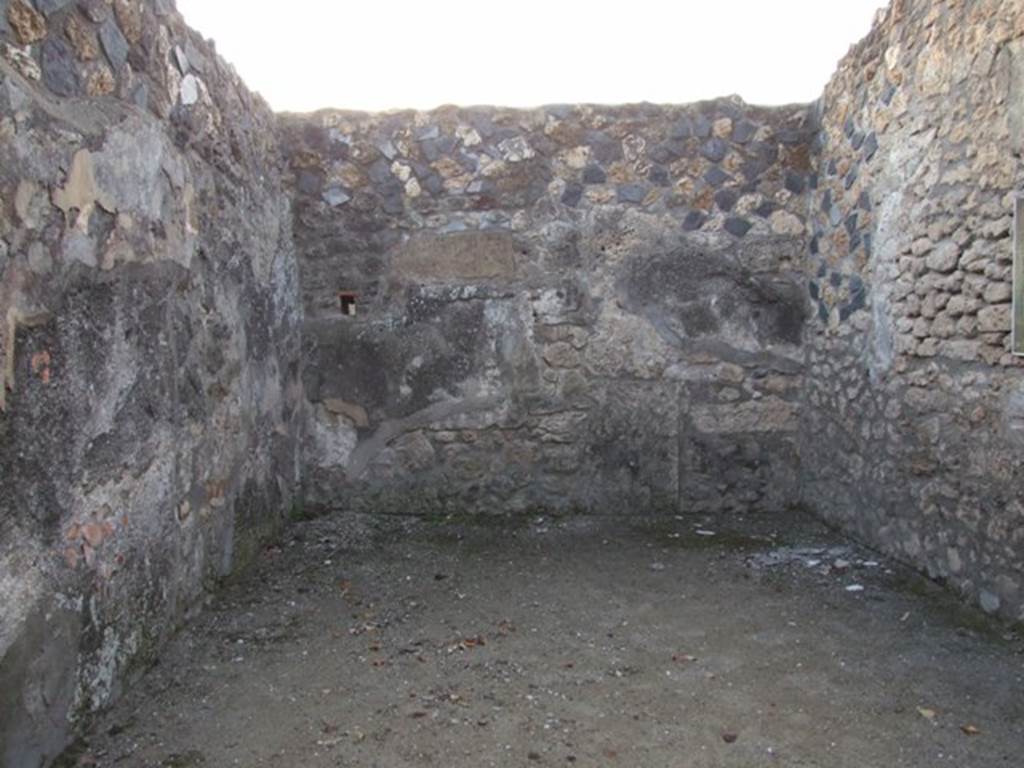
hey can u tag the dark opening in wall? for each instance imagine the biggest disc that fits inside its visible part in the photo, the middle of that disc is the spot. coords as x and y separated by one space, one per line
347 299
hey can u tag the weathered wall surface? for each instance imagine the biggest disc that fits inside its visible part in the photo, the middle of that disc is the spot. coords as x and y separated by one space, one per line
914 421
151 407
598 308
616 309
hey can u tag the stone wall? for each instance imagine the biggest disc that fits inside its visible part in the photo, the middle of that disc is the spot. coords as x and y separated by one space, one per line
614 309
565 308
914 421
151 406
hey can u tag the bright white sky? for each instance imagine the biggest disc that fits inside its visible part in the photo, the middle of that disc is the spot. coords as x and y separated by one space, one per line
381 54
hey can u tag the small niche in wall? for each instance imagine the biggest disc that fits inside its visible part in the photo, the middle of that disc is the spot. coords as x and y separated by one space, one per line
347 301
1018 275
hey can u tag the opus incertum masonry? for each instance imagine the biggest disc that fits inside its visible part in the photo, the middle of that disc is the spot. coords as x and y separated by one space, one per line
215 317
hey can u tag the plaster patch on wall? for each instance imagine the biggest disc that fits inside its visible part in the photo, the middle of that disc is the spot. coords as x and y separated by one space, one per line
1015 100
457 256
334 438
102 675
21 587
81 192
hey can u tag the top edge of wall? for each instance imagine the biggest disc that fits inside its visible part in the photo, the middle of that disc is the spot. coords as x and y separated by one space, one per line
735 102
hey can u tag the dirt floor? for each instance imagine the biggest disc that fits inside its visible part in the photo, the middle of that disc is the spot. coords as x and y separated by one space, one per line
586 642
